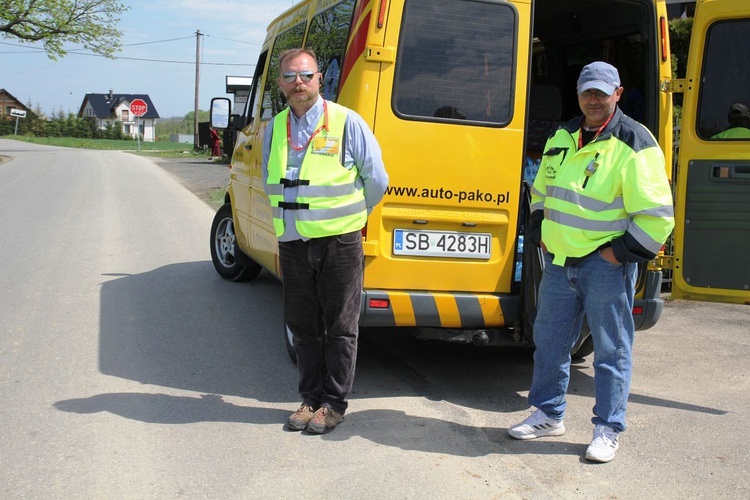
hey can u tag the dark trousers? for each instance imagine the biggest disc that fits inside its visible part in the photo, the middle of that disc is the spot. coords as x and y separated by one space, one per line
322 280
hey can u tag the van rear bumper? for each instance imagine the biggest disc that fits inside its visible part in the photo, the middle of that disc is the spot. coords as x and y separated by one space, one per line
466 311
647 309
388 308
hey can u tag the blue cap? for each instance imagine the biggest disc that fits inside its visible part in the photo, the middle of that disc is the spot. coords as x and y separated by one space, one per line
599 75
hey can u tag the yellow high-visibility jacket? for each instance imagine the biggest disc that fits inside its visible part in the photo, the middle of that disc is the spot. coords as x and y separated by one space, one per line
612 192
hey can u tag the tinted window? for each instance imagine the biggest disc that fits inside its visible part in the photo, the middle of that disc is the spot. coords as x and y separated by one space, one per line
725 91
250 109
273 99
455 60
328 33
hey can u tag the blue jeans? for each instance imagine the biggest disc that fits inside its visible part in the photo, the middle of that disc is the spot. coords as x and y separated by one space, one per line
604 293
322 280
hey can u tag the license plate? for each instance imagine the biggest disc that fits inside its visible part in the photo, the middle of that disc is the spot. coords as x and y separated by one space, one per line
452 244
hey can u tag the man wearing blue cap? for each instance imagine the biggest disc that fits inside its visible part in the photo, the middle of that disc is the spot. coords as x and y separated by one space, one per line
600 204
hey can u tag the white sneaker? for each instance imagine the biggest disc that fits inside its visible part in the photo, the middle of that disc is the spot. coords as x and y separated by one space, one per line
536 425
604 445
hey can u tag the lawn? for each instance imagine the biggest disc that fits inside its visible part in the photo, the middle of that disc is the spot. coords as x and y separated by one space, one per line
160 148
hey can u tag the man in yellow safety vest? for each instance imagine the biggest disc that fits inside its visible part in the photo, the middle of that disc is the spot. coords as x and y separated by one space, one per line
323 173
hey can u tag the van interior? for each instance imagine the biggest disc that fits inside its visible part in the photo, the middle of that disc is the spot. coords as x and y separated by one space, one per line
567 35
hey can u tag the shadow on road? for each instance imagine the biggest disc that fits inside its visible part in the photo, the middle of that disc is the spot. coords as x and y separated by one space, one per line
181 326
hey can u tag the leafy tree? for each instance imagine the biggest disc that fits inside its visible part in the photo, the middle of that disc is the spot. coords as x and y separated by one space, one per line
679 43
91 23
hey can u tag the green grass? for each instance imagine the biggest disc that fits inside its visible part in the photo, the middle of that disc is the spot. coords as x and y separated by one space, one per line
160 148
217 197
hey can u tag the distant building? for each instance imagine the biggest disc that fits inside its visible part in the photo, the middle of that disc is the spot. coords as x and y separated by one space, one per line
110 107
680 8
8 102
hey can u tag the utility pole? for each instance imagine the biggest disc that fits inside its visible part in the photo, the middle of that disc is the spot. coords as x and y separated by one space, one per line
198 35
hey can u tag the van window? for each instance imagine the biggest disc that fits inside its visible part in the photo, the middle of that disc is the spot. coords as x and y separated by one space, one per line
328 33
250 109
273 100
455 61
725 92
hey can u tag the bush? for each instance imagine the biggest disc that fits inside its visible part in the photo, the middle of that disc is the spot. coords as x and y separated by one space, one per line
679 43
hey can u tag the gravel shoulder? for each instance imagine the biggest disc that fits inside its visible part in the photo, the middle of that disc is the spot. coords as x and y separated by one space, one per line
199 175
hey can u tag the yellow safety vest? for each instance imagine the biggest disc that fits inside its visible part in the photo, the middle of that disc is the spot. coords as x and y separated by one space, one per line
328 201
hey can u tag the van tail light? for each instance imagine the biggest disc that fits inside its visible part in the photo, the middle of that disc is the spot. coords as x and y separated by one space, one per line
364 232
638 311
664 37
378 303
381 14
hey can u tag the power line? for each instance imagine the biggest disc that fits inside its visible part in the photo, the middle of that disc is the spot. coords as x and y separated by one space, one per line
78 53
230 40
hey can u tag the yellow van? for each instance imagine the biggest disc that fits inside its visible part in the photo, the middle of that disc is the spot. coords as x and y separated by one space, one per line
461 95
712 188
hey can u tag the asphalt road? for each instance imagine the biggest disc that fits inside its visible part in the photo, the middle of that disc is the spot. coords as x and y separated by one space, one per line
129 369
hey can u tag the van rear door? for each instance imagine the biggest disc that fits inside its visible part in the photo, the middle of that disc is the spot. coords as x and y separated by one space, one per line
712 193
446 111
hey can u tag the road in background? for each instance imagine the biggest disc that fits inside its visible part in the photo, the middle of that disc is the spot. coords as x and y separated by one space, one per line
129 369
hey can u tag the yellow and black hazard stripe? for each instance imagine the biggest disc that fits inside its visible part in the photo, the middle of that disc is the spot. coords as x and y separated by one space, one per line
382 308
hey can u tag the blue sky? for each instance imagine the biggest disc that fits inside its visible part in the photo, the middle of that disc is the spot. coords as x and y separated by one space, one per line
234 32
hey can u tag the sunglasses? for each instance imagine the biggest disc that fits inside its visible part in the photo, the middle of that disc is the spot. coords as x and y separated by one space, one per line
291 76
597 94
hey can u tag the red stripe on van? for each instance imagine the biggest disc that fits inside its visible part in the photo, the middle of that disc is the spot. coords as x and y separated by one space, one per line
357 47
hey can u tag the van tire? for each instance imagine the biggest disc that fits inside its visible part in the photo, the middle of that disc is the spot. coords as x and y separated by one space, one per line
585 343
289 342
531 278
224 250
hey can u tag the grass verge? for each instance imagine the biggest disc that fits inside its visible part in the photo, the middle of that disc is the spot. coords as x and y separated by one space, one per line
160 148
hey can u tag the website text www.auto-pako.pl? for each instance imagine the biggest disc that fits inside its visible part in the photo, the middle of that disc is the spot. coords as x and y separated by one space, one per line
449 194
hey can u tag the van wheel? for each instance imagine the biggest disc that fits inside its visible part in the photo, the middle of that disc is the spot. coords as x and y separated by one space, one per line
224 249
289 342
585 343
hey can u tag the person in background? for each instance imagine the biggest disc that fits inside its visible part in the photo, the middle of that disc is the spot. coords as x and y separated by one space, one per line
323 173
739 122
600 204
215 144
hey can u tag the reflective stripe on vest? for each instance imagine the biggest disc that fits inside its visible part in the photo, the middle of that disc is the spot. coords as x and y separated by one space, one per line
330 198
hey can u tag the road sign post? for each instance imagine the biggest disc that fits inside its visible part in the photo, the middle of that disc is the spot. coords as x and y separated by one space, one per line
18 113
138 108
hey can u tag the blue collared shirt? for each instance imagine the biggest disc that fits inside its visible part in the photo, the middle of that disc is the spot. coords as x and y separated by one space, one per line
361 150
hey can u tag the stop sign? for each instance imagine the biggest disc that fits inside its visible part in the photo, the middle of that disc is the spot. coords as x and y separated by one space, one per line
138 107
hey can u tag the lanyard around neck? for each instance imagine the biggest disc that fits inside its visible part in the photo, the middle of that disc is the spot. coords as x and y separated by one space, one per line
599 130
289 128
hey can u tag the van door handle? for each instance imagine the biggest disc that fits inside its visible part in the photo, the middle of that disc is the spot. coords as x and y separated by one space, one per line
731 172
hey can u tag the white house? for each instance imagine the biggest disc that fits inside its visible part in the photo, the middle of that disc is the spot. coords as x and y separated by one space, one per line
108 108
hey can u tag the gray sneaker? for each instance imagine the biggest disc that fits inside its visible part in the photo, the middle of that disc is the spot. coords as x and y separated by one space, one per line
324 420
604 444
299 419
536 425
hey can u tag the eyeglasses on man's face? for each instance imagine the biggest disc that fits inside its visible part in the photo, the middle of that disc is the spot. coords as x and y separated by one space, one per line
597 94
291 76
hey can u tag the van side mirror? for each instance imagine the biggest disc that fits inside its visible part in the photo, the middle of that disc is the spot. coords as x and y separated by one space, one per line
221 108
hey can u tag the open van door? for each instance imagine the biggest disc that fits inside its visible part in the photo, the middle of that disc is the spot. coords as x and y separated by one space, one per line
712 192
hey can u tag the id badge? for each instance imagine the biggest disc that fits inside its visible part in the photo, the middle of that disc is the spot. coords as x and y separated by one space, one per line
591 169
326 146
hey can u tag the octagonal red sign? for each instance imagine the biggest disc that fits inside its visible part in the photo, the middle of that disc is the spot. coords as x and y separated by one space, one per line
138 107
